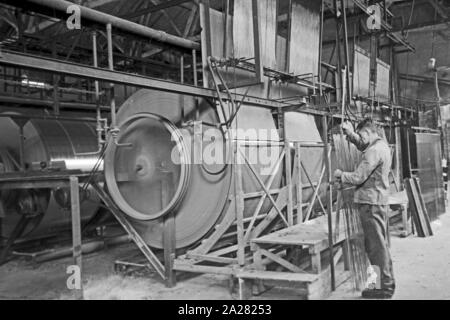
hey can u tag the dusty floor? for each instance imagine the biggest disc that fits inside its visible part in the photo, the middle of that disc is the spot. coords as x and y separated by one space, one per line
421 265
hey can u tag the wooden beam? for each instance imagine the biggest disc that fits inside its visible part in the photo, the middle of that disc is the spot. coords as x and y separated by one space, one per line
190 21
169 18
440 11
155 8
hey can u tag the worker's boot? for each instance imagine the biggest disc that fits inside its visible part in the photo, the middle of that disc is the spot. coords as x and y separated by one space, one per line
377 293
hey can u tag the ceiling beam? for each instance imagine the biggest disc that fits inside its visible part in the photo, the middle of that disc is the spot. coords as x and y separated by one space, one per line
155 8
440 11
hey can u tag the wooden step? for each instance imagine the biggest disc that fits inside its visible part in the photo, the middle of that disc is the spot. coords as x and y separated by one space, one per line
277 276
312 233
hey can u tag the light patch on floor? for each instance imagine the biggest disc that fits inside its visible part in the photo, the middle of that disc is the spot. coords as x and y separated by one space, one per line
421 268
116 287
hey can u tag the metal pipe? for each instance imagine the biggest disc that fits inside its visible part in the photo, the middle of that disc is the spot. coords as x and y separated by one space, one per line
338 46
182 69
322 8
35 116
329 184
87 247
346 49
194 66
83 71
98 119
119 23
47 103
97 95
111 67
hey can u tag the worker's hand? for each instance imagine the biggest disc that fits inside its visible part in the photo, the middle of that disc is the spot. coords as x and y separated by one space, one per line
338 175
347 127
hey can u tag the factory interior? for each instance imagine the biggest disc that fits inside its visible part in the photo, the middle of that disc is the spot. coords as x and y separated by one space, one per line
185 149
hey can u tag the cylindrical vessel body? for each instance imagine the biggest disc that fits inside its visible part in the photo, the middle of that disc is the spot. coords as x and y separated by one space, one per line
144 177
47 142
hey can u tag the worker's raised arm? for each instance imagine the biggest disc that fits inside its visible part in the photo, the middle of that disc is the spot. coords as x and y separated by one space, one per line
369 163
354 138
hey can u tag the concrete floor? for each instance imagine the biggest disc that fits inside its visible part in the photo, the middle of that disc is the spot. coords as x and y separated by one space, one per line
421 266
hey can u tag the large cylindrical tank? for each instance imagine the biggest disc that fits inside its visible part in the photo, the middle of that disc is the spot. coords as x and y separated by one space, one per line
147 179
47 142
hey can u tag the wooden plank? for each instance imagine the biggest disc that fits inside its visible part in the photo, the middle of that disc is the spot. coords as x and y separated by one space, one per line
211 258
413 208
419 208
126 224
219 40
279 276
304 37
298 181
361 72
261 183
424 208
288 174
281 203
189 267
276 258
239 206
301 238
243 30
76 230
257 41
168 233
314 233
221 228
205 39
273 174
316 192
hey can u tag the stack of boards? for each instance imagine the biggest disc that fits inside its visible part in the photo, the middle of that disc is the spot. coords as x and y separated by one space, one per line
419 212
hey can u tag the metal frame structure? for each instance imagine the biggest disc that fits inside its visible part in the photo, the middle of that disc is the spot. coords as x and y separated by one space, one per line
38 180
212 255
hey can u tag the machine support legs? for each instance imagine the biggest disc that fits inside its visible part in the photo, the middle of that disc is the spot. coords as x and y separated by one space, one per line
76 230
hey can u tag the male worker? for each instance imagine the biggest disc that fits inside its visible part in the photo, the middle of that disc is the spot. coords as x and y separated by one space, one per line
371 199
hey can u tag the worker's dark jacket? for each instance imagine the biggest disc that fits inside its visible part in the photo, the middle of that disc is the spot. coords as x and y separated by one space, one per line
372 175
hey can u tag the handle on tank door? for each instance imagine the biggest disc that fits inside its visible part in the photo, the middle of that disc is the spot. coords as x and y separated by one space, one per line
110 176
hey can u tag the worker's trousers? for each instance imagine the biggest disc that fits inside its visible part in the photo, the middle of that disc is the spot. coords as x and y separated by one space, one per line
373 220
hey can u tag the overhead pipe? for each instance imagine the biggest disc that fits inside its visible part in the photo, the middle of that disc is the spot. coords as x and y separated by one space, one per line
116 22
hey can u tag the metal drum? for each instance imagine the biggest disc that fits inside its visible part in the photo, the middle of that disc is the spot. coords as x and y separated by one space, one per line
151 169
47 142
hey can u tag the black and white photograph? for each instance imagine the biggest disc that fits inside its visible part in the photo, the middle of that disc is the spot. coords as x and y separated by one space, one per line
222 157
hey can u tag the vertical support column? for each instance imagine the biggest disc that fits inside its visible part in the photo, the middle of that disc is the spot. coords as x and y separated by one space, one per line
169 232
55 84
205 25
299 190
225 28
288 172
182 68
97 92
195 79
239 204
319 72
316 265
398 152
408 143
288 40
257 41
327 163
339 54
346 51
111 67
288 165
194 67
76 230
